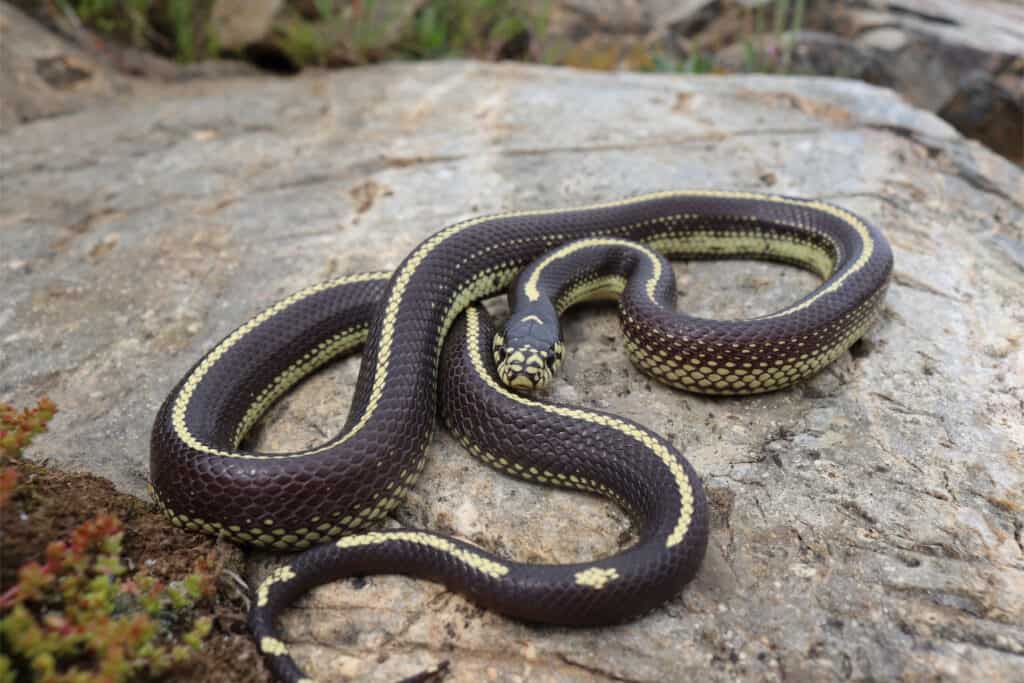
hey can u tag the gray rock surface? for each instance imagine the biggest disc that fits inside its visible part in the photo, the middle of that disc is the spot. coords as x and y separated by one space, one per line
46 73
961 58
866 525
41 75
939 54
239 23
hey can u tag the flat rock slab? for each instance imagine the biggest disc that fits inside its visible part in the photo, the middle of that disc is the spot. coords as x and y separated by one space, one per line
43 75
867 525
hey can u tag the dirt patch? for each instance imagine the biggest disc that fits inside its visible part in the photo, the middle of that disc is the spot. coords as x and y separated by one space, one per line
49 504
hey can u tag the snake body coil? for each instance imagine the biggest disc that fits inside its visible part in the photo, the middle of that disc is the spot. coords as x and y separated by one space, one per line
295 500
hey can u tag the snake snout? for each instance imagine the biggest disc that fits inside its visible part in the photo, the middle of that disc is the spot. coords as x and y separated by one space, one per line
528 351
523 369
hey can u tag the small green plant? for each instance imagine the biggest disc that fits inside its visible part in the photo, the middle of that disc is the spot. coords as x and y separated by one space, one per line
76 618
755 57
343 32
478 28
304 44
324 8
173 27
362 31
18 429
80 616
695 63
181 15
126 19
796 24
330 32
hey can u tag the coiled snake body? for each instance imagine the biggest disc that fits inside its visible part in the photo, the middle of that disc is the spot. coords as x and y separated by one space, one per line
295 500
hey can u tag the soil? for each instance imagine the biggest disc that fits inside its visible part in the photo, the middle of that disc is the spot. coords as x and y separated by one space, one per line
49 504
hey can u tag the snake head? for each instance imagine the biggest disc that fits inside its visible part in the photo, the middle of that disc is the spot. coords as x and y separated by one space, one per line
527 353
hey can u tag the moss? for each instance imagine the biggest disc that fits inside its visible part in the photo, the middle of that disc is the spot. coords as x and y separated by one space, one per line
74 605
79 616
17 429
480 28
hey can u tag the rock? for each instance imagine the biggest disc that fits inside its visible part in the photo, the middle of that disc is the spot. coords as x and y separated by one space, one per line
690 17
49 73
43 75
866 525
808 53
884 38
608 16
941 56
929 52
239 23
984 25
983 109
950 58
600 34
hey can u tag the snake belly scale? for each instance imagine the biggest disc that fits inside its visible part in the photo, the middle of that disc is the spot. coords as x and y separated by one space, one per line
326 494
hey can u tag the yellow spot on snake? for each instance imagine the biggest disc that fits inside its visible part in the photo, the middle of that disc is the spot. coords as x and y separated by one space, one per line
279 575
596 577
272 646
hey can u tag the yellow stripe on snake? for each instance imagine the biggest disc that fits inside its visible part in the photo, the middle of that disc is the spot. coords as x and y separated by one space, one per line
548 260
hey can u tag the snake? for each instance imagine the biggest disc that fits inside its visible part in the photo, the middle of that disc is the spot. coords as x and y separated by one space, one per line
428 347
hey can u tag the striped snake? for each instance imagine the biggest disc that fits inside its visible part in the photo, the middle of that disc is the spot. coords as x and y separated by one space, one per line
549 260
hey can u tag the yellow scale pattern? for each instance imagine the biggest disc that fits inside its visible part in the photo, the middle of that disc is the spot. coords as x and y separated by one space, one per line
596 577
702 374
533 294
185 396
272 646
335 346
282 539
279 575
493 569
547 477
811 254
607 287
